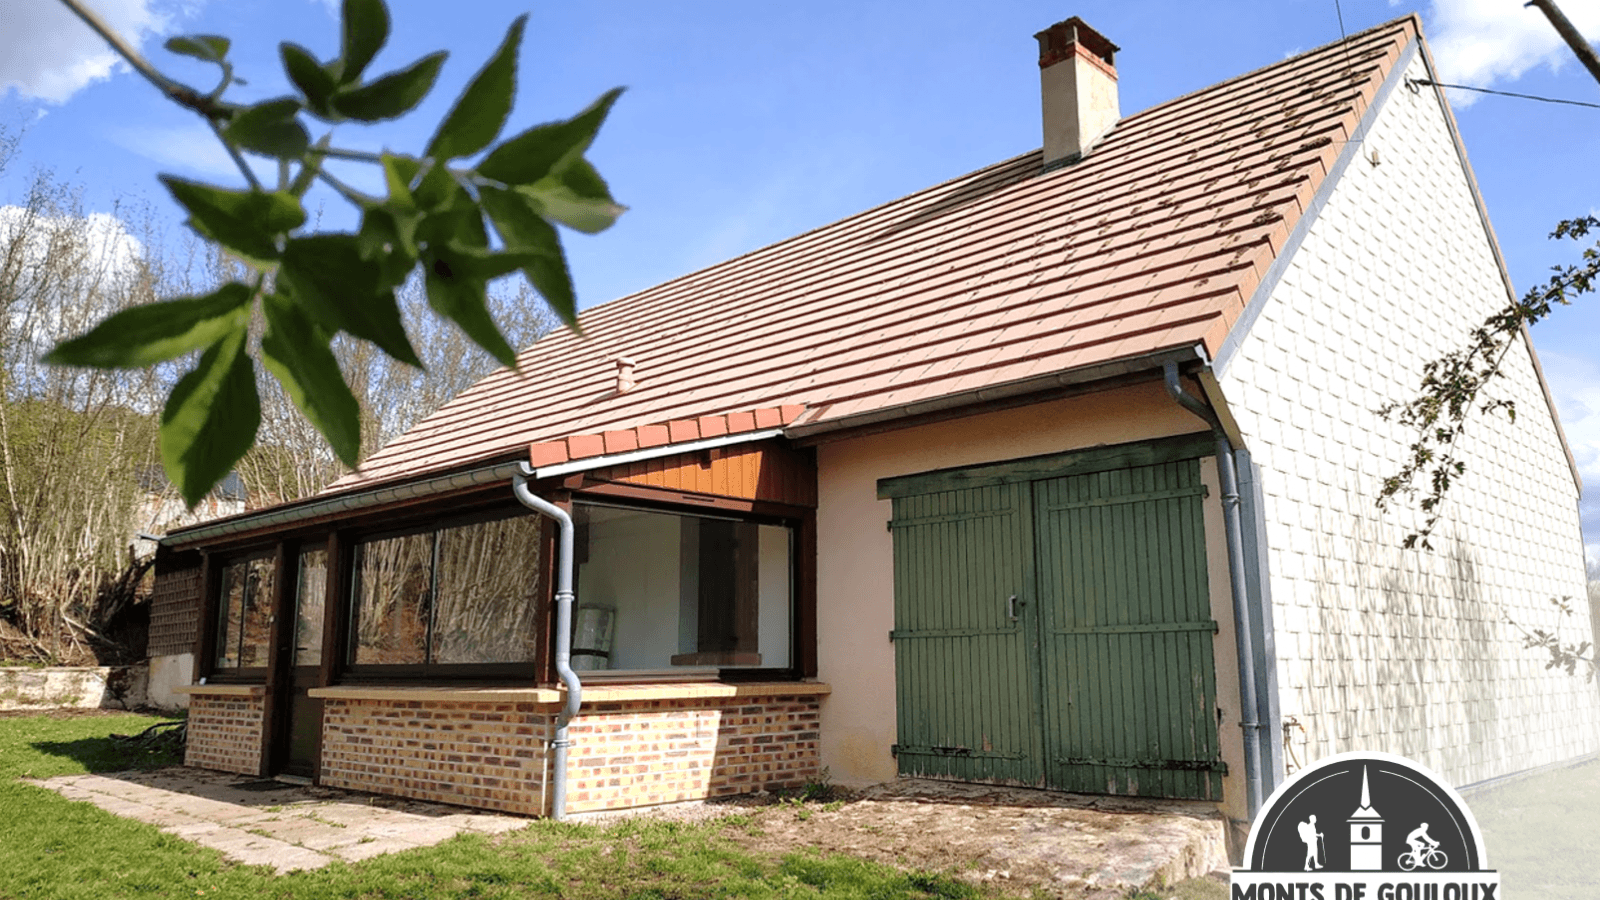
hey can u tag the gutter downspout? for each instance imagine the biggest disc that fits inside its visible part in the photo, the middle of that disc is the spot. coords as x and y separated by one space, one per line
564 597
1232 527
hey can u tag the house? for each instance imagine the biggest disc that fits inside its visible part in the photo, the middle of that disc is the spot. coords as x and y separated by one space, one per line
1060 474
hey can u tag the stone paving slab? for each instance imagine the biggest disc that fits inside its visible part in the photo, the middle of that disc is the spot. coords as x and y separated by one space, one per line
288 827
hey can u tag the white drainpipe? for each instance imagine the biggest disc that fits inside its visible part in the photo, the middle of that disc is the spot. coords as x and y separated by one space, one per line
564 597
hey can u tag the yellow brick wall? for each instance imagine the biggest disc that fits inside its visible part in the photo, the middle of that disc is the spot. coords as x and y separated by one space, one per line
485 755
663 751
225 733
624 754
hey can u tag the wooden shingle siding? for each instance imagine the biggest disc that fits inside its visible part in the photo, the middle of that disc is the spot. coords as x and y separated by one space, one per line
175 606
767 471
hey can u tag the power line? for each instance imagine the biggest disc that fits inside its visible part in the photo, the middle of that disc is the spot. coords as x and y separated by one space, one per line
1465 87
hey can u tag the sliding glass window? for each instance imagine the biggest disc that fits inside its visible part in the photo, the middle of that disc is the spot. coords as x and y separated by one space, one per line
668 593
460 599
244 615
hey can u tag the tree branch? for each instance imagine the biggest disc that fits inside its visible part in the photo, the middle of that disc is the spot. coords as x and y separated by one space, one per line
1580 47
179 93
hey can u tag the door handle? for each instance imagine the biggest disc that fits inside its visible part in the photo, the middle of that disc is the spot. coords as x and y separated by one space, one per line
1011 607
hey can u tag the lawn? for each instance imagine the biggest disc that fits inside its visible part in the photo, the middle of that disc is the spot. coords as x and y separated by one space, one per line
58 849
1543 833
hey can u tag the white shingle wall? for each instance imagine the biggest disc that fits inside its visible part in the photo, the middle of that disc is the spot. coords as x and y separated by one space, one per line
1382 648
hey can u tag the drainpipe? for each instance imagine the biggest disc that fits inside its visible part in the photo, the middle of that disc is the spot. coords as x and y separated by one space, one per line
1234 529
569 678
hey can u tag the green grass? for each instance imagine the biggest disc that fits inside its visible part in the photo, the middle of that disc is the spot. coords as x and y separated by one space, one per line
1540 832
62 850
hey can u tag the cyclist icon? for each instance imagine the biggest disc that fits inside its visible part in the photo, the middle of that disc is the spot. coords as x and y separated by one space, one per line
1424 853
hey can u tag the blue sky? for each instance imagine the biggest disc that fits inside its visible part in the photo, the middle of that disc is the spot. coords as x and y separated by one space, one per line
745 123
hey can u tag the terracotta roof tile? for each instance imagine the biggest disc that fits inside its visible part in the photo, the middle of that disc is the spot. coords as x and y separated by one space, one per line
1151 242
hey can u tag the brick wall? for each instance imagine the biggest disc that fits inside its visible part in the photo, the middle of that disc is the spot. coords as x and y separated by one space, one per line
625 754
174 608
661 751
485 755
225 733
1381 648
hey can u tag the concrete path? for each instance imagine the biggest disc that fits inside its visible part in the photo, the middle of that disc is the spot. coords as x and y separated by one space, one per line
266 823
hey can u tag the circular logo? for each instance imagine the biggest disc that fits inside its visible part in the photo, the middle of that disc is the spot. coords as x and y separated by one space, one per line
1365 824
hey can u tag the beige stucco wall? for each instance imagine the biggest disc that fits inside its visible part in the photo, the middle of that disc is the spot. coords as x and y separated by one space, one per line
855 583
1382 648
167 674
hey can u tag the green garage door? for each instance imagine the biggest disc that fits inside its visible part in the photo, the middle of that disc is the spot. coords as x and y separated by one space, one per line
1056 631
962 678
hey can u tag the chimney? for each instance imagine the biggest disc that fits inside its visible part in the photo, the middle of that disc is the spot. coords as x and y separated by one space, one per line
1078 83
625 382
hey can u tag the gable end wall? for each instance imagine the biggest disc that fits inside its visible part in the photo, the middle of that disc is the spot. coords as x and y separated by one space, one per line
1381 648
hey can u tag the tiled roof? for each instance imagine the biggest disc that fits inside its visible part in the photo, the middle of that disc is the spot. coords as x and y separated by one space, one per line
660 434
1154 241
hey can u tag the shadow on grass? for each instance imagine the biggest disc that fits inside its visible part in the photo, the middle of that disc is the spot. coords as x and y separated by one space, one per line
103 754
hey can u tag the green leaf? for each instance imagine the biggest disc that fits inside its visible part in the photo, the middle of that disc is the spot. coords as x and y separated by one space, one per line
297 352
457 291
481 110
535 153
365 30
314 81
211 418
344 291
575 196
245 222
206 47
525 232
389 240
157 332
270 128
392 95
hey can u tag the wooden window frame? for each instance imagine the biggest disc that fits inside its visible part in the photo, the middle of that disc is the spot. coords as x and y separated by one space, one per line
801 520
346 671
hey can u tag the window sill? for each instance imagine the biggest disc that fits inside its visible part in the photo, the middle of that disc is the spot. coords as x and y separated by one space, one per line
591 694
223 690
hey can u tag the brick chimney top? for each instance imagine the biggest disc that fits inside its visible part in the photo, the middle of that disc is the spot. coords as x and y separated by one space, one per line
1056 43
1078 86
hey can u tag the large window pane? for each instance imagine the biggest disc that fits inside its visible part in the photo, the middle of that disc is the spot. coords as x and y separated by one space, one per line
658 591
244 614
488 592
310 599
460 595
392 597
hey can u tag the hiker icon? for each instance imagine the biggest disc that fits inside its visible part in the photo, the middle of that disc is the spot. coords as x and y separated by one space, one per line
1312 838
1424 852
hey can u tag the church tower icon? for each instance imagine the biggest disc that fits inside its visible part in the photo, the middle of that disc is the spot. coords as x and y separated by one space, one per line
1366 833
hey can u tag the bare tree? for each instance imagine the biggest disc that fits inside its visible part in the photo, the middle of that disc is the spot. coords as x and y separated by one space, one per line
74 443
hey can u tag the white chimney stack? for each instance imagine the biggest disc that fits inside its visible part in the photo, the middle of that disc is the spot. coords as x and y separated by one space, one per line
1078 84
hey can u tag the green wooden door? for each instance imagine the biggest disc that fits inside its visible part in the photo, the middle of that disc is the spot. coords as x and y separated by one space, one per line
967 710
1057 631
1126 633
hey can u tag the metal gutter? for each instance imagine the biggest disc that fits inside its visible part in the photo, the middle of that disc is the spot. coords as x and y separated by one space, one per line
633 456
1249 718
372 497
988 395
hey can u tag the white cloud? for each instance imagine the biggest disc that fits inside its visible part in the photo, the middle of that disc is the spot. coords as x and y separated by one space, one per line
72 269
1575 382
47 53
1484 42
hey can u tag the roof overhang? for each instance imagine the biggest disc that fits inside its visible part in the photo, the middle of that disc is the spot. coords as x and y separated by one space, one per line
1013 393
